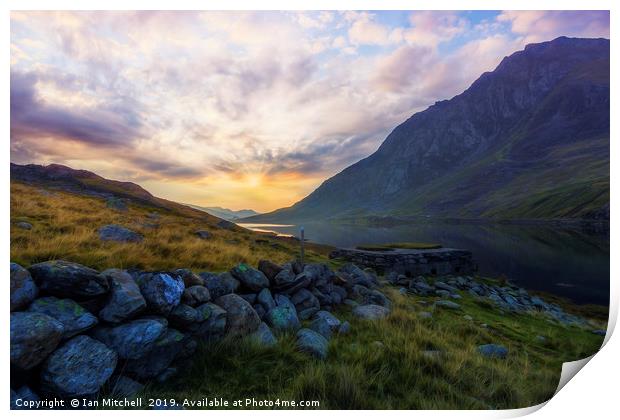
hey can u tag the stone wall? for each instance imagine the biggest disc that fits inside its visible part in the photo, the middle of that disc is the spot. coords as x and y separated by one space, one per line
435 262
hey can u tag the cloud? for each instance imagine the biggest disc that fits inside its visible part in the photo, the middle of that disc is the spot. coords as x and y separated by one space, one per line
365 31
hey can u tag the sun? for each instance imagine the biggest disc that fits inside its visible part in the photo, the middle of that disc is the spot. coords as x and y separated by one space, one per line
253 180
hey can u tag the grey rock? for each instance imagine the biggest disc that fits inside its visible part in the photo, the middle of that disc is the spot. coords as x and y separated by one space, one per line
377 298
318 274
287 281
220 284
260 310
125 300
211 322
313 343
283 318
183 316
305 303
263 336
333 322
425 315
24 225
72 316
155 361
23 288
189 278
321 326
241 318
22 395
131 340
195 296
225 224
493 351
265 299
359 276
600 332
116 204
371 312
443 286
345 328
248 297
447 304
77 368
124 387
33 337
118 233
203 234
350 302
162 291
269 269
249 277
468 317
67 279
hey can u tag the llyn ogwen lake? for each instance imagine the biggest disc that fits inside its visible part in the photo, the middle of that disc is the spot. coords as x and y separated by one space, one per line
569 262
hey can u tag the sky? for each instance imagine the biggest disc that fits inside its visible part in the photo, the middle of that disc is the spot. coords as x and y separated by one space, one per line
245 109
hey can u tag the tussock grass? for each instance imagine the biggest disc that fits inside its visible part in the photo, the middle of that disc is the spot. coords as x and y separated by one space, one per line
65 227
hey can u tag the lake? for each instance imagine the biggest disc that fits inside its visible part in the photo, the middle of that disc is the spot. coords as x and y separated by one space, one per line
568 262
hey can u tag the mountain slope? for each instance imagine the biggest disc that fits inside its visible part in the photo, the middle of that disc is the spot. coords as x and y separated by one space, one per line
527 140
226 214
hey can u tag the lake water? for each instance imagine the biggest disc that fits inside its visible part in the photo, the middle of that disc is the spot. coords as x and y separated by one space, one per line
566 261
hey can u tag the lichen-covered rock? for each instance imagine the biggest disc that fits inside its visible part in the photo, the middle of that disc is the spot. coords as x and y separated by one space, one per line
131 340
370 312
162 291
33 337
189 278
305 303
266 299
195 295
269 269
183 316
332 321
23 288
165 350
288 281
321 326
283 318
263 336
78 367
125 300
313 343
318 274
72 316
67 279
118 233
220 284
210 324
493 350
358 276
249 277
241 318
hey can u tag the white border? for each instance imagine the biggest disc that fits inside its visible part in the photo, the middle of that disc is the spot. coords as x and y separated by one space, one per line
593 394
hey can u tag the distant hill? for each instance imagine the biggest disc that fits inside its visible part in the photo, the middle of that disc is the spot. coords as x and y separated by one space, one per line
83 182
226 214
529 140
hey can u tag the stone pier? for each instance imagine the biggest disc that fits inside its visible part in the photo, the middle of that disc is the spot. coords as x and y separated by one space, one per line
411 262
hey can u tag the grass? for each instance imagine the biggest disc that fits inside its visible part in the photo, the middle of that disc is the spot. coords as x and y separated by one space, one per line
65 227
399 245
361 374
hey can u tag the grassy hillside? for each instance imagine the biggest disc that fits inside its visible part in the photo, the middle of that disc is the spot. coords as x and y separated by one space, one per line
65 226
383 364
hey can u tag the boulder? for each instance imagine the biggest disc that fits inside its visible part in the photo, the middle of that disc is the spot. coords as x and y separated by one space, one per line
420 287
183 316
241 318
313 343
67 279
225 224
189 278
287 281
162 291
116 204
443 286
78 368
333 322
210 324
305 303
370 312
493 350
283 318
125 300
24 225
154 362
377 298
22 395
263 336
116 233
72 316
260 310
269 269
249 277
358 276
448 304
321 326
132 340
23 288
318 274
220 284
344 328
203 234
266 300
248 297
195 296
33 337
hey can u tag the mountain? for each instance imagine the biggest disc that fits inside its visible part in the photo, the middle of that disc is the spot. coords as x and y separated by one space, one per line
83 182
529 140
226 214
